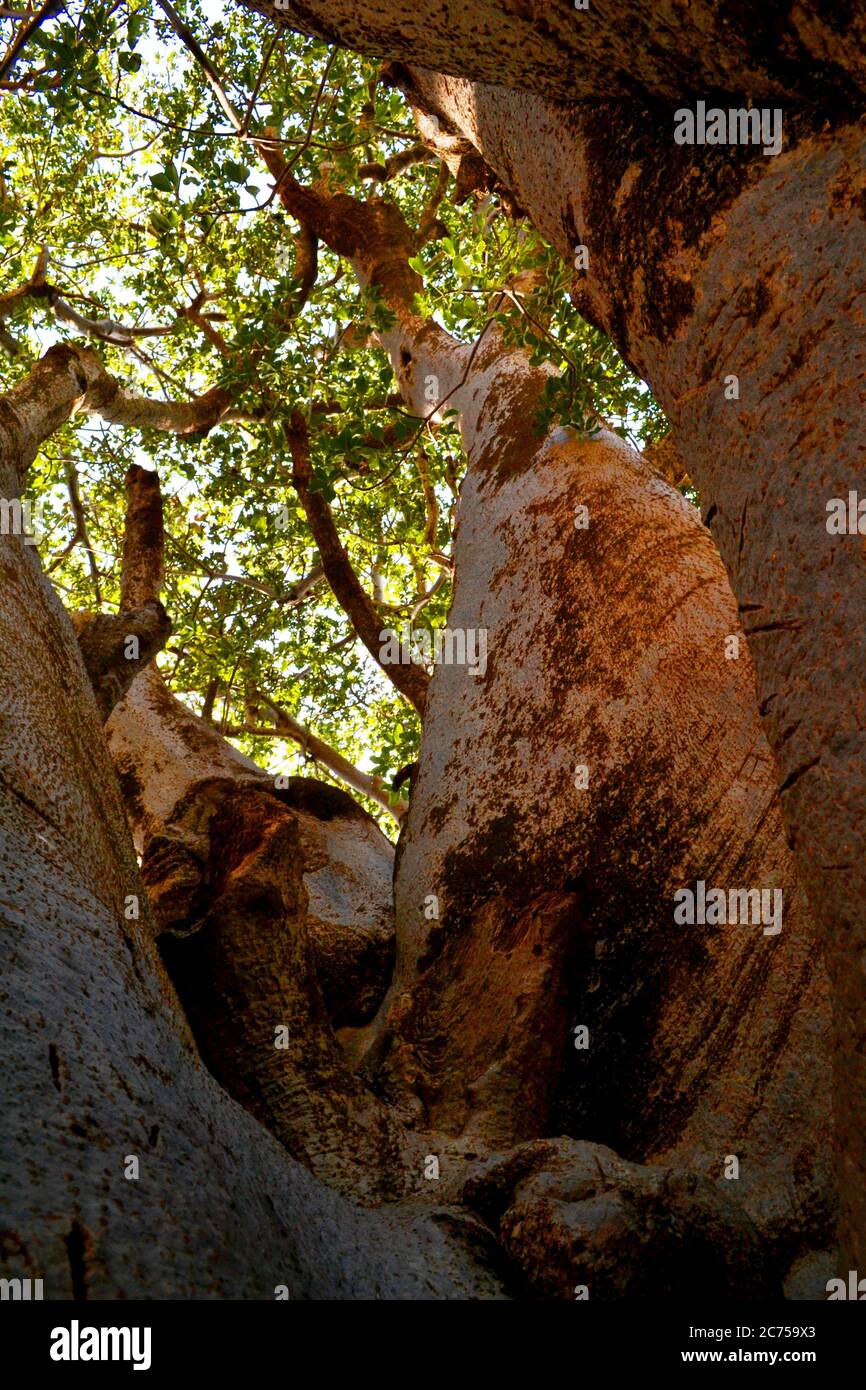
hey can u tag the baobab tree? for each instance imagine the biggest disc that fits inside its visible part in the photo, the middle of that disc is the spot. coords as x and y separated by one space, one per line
609 753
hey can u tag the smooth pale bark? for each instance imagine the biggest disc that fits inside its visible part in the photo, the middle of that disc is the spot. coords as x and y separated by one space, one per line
99 1061
610 47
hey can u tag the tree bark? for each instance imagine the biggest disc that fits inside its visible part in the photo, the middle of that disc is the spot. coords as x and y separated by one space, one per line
225 852
512 885
553 905
613 47
630 621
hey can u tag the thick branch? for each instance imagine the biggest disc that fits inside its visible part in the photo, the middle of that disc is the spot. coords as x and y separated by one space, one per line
247 970
68 379
223 859
112 403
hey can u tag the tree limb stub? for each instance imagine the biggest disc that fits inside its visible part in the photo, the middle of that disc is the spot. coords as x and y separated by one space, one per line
143 540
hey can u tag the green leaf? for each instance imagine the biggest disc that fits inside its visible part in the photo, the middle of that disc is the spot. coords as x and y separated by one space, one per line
166 180
238 173
136 26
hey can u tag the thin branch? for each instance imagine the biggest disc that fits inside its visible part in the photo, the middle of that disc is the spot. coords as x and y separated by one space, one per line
211 72
245 124
25 33
411 680
81 530
291 597
285 726
431 505
426 597
210 695
307 259
428 221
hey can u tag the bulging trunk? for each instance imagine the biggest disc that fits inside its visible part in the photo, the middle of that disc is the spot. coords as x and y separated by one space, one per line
266 966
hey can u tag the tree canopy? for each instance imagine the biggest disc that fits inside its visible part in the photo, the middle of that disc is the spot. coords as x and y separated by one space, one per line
136 211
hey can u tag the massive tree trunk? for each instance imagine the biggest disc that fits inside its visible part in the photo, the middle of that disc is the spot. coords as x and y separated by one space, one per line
521 864
552 903
734 283
747 278
529 900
